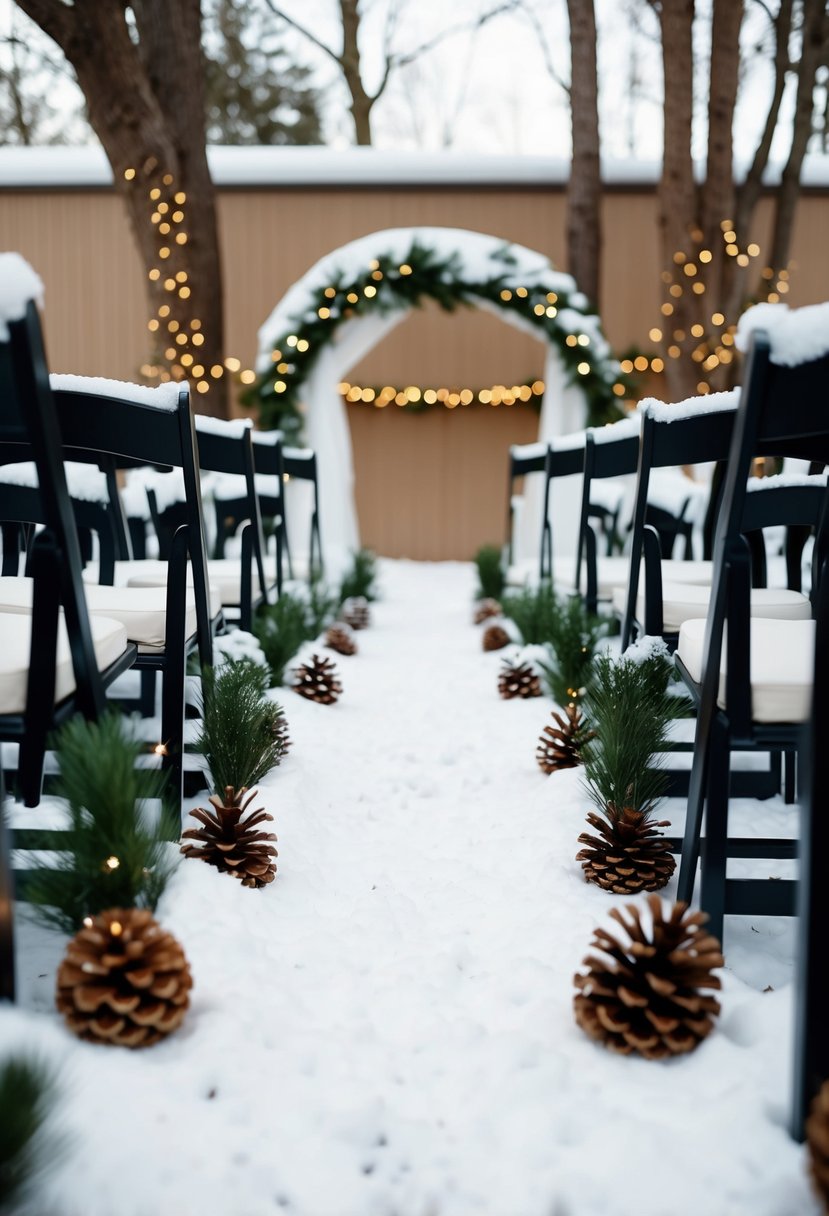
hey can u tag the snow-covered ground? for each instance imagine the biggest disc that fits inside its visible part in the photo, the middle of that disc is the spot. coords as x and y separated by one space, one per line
387 1029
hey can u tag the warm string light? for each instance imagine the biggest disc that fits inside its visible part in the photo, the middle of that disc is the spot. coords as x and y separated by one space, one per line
714 340
412 394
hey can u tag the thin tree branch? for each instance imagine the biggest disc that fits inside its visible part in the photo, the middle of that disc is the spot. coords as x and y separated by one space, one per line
304 31
544 47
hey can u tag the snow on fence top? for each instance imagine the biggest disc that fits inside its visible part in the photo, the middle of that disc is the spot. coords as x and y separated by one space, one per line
18 285
88 166
796 335
692 407
163 397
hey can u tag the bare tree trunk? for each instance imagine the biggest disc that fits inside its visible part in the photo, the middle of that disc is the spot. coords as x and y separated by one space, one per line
815 27
361 102
718 196
584 233
146 106
677 193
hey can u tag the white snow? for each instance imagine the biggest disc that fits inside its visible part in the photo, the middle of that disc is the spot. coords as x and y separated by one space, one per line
388 1027
161 397
84 481
646 648
782 480
234 428
238 646
692 407
18 285
625 428
528 451
796 335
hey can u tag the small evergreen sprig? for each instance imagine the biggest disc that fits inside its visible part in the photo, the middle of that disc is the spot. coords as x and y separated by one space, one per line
27 1149
535 612
576 633
111 856
281 629
320 609
491 580
243 733
361 579
630 708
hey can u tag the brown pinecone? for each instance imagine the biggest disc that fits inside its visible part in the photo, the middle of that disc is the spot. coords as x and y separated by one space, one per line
629 854
231 843
484 609
518 680
279 727
495 637
318 680
340 638
124 980
356 612
647 995
560 746
817 1139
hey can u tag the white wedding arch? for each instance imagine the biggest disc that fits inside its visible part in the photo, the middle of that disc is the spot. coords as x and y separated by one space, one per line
350 300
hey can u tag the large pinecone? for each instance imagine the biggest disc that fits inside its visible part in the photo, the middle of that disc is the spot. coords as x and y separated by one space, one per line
356 612
647 995
560 746
817 1139
279 728
318 680
518 680
485 609
232 843
340 638
629 855
495 637
124 980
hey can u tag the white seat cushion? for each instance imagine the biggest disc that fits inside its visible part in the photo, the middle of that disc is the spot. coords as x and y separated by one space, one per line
224 574
147 572
109 640
142 612
686 601
782 660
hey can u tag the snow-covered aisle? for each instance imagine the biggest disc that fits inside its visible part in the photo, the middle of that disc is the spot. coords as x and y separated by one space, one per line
387 1029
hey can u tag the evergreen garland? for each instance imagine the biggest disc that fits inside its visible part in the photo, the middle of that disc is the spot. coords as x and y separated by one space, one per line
389 284
111 855
243 733
576 633
491 579
630 707
360 580
27 1090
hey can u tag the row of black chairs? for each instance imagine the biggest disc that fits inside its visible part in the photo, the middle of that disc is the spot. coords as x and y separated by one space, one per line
747 653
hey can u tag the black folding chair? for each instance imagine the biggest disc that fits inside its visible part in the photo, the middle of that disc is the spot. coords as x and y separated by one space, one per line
751 677
7 968
301 465
53 689
811 1066
268 492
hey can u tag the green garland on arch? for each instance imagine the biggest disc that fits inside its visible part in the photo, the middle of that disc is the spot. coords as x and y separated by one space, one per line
389 284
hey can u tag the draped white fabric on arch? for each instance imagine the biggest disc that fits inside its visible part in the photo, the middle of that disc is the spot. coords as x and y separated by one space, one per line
479 257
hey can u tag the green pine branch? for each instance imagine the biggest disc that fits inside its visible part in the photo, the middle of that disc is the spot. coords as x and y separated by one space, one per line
535 612
491 578
361 579
243 733
631 708
28 1148
111 855
576 633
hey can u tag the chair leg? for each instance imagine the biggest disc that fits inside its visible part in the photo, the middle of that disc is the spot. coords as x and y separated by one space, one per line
789 776
693 818
146 703
714 850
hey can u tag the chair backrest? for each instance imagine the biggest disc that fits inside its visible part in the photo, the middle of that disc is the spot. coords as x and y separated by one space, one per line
29 419
782 411
692 432
523 459
564 458
147 426
609 451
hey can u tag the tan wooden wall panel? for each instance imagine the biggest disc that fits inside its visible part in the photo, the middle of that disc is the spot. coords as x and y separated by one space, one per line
429 485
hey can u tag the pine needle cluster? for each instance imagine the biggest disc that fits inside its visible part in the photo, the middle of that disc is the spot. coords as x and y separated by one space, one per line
576 633
27 1091
535 612
361 579
491 580
281 629
243 734
111 855
320 609
630 709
